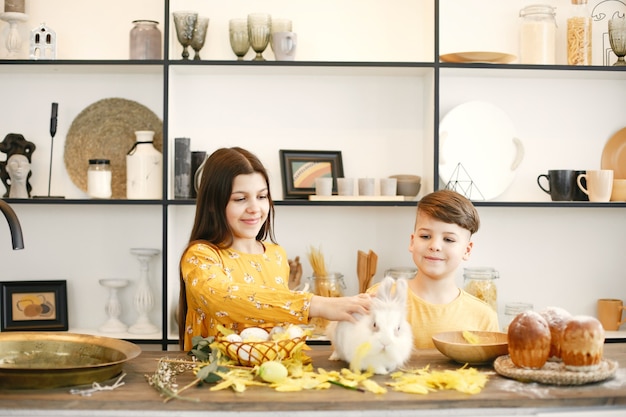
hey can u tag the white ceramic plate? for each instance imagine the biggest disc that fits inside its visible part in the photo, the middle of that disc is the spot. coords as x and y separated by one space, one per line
478 150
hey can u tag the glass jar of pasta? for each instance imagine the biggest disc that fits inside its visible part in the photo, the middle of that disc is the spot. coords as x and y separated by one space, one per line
579 34
480 282
328 285
331 285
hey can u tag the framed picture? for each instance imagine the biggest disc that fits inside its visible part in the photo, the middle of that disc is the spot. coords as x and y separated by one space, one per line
33 305
301 168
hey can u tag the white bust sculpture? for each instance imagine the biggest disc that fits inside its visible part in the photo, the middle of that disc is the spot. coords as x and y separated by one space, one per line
18 168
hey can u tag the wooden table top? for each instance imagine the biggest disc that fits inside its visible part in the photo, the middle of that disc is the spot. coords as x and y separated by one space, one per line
500 392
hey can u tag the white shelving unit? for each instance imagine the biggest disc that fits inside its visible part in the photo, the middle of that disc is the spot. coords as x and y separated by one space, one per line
366 81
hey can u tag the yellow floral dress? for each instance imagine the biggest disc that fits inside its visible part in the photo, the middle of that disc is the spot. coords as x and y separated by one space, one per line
238 290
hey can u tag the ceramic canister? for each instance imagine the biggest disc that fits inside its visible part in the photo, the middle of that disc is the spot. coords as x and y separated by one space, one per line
144 168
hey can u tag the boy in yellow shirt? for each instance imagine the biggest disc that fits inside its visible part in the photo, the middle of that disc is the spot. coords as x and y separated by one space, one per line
441 240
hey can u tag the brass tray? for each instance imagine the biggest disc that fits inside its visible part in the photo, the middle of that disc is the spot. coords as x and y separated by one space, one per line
43 360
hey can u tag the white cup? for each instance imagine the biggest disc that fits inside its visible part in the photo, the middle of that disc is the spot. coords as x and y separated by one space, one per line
324 186
284 45
345 186
599 184
388 186
366 186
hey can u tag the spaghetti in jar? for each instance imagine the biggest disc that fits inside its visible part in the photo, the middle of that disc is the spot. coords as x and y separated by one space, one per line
579 34
480 282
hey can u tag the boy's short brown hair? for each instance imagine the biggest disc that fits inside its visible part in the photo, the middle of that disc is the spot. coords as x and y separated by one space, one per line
450 207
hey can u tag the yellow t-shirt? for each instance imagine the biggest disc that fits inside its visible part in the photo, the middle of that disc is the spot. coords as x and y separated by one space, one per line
238 290
465 312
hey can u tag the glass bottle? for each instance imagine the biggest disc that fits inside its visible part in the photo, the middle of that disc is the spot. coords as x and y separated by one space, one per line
99 178
538 35
480 282
579 34
145 40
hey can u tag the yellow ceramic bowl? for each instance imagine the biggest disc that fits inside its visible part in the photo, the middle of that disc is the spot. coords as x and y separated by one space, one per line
490 345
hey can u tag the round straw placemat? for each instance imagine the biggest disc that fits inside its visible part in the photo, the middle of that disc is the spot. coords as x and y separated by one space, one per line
106 130
554 373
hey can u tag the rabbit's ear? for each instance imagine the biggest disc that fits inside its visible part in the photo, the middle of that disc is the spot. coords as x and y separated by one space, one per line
384 290
402 288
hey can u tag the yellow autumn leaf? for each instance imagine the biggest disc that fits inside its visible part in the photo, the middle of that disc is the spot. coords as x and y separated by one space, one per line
373 387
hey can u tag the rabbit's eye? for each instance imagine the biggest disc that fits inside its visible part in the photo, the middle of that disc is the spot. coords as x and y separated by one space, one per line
374 326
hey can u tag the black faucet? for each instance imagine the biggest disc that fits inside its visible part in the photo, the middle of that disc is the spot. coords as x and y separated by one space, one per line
14 225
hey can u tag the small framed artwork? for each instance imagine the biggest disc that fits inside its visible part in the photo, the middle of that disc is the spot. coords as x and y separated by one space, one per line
34 305
301 168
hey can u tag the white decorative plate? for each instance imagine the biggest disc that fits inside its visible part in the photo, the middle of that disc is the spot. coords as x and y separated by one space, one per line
478 150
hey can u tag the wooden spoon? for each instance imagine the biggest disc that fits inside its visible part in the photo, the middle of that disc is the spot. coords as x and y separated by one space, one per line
372 263
362 270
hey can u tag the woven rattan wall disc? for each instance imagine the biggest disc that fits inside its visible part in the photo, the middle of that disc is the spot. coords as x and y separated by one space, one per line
106 130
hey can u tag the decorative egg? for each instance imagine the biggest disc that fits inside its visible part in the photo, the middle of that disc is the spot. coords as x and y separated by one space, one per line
254 334
233 338
277 332
295 331
244 352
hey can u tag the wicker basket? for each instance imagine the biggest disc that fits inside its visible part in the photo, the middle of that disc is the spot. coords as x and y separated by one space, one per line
255 353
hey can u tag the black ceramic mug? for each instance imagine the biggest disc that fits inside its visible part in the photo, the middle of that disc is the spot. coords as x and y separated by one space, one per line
579 195
561 184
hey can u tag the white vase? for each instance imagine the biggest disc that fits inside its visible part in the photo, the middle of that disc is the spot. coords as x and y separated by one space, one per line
144 168
144 298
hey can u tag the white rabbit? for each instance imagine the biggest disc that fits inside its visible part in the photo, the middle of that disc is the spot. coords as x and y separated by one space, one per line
385 328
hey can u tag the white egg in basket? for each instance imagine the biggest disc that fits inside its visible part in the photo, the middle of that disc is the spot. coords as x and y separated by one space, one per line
255 334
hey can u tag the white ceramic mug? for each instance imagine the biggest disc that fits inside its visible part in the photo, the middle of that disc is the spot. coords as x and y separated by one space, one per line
324 186
366 186
599 184
345 186
284 45
388 186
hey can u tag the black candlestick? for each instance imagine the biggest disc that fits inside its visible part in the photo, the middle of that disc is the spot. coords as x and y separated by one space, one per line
53 131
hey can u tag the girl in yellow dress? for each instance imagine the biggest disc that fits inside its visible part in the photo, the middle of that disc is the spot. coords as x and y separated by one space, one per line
230 273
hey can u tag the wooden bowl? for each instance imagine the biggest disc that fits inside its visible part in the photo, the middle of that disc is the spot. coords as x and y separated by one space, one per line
454 346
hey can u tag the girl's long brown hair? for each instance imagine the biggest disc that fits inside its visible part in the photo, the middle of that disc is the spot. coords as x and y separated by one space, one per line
210 224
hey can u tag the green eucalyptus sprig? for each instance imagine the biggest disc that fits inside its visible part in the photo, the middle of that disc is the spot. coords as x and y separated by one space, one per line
210 356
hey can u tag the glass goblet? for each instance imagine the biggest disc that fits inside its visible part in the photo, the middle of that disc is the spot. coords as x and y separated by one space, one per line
259 27
239 39
617 38
199 36
185 23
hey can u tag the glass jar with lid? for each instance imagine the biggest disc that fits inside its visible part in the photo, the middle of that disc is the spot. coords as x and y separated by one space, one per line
513 309
406 272
538 35
579 34
480 282
145 40
331 285
99 178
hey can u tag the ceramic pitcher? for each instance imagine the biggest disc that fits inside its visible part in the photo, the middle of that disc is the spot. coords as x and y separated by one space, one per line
144 168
